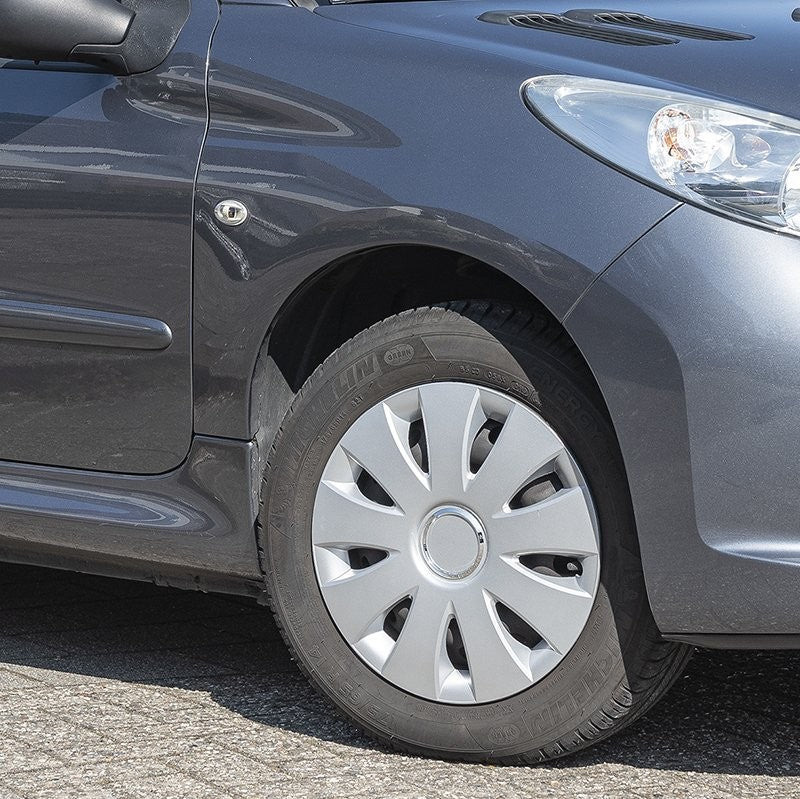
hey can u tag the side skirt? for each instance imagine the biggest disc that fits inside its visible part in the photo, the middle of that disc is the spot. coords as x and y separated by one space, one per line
193 527
738 640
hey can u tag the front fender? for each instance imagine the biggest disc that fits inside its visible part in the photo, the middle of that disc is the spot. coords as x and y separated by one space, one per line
338 139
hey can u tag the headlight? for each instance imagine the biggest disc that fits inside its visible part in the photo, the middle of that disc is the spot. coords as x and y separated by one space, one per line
739 161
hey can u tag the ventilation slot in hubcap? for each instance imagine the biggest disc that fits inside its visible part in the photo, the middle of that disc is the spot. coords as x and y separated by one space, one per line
364 557
517 628
372 489
537 490
418 444
396 618
552 565
485 439
455 647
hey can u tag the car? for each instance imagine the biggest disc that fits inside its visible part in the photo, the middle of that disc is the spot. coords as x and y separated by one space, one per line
464 337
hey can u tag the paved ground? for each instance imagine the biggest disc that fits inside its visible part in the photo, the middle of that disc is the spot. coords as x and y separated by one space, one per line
116 689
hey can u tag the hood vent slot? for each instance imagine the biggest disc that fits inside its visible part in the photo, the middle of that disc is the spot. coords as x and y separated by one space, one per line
616 27
561 23
684 31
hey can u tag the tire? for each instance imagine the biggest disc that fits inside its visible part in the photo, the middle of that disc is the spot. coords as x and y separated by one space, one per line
617 666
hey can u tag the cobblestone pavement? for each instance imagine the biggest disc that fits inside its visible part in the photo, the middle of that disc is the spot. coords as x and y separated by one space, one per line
117 689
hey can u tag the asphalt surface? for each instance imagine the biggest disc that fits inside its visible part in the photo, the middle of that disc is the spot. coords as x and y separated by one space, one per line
117 689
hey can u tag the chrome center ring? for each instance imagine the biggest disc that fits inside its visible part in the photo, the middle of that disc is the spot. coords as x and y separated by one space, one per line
453 542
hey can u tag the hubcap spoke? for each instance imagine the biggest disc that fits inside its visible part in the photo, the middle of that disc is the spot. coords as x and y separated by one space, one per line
378 441
491 656
418 659
345 519
359 597
556 612
524 445
451 415
559 525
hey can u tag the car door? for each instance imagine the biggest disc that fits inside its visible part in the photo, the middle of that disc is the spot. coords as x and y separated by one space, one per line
96 196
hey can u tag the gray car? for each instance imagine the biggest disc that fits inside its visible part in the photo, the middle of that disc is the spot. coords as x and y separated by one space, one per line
465 337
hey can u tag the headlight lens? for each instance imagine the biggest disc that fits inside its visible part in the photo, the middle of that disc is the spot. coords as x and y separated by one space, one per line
736 160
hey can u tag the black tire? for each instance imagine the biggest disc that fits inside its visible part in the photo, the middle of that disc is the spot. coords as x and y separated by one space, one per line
620 665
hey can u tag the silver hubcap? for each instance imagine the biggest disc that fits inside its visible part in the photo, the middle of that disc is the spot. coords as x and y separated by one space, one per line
455 543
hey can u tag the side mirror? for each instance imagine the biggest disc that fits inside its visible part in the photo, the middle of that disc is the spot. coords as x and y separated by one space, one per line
54 30
100 32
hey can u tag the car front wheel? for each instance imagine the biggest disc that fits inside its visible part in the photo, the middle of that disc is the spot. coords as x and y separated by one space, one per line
449 545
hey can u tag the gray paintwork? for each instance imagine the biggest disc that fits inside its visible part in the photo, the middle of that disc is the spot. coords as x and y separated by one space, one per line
323 163
96 192
346 128
190 528
699 367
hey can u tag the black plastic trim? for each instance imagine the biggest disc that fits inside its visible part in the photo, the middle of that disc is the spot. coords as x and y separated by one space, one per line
45 30
153 33
736 641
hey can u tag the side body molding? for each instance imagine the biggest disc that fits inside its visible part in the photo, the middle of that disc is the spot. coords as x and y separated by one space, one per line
38 321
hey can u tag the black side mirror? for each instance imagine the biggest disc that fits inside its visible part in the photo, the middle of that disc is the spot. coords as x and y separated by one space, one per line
51 30
100 32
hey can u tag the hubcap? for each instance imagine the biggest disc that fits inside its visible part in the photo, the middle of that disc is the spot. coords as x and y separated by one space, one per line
455 543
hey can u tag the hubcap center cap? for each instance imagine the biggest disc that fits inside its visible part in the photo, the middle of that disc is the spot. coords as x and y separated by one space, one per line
453 542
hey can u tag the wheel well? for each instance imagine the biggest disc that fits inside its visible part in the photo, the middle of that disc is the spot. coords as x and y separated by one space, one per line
355 292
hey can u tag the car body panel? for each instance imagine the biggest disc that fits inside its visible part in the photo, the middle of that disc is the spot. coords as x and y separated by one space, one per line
693 336
752 72
320 149
96 191
191 527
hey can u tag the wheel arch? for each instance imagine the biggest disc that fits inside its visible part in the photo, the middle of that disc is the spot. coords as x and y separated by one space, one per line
356 290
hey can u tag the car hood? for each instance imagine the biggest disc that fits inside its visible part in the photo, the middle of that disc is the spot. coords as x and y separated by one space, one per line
761 70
